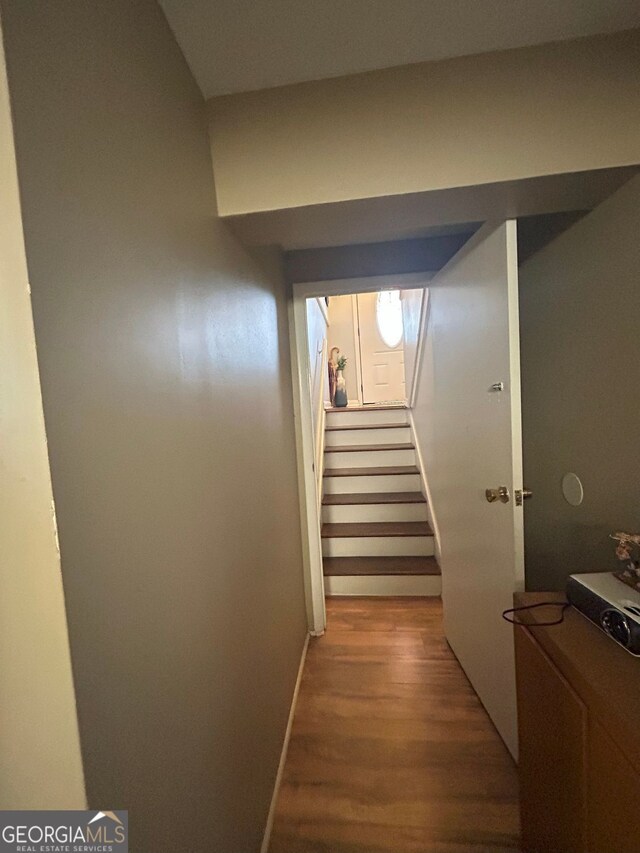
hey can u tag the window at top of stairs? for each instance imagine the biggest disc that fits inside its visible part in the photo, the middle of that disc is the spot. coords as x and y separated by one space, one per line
389 317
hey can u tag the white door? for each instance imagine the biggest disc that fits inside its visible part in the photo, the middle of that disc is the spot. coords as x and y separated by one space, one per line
477 426
381 346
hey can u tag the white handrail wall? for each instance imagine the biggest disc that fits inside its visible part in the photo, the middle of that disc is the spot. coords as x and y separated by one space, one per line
320 423
423 355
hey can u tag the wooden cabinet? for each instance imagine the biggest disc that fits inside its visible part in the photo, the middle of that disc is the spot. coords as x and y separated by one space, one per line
579 762
552 725
613 796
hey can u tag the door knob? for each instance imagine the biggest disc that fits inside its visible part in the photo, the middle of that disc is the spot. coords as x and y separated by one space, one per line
499 494
521 494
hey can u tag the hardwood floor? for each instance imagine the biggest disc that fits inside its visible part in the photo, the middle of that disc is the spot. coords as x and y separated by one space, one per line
391 750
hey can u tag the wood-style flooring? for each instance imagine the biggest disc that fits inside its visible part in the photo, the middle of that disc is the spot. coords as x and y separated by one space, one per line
391 750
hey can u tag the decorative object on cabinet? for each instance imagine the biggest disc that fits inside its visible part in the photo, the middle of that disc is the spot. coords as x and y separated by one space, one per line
628 549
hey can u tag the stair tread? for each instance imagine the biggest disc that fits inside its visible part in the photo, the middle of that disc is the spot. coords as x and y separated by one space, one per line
374 498
357 448
369 408
340 530
346 566
365 426
371 472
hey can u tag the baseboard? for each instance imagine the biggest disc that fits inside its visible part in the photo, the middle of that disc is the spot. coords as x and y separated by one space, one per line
266 838
431 517
319 462
383 585
423 325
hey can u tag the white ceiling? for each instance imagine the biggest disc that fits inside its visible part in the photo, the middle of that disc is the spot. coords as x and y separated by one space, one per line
241 45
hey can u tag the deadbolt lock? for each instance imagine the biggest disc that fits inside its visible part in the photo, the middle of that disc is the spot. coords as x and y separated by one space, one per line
499 494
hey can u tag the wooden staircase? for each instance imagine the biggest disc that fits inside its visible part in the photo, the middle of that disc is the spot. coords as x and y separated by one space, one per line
376 539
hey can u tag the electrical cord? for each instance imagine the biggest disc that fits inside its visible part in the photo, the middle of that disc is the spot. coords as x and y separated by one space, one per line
562 604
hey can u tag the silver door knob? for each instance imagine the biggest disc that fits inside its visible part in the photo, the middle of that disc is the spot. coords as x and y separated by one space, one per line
521 494
499 494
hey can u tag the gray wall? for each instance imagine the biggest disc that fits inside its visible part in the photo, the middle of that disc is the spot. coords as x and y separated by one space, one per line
165 374
580 306
368 259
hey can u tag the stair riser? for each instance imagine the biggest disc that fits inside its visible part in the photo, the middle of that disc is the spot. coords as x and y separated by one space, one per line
383 585
382 483
369 458
401 435
375 416
374 512
378 546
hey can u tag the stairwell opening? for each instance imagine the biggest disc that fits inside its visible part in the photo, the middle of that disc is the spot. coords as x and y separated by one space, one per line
376 530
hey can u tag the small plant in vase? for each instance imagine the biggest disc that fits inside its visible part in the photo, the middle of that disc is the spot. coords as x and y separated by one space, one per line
341 385
628 550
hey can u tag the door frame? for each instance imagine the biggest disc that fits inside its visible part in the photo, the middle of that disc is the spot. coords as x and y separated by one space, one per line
302 408
356 337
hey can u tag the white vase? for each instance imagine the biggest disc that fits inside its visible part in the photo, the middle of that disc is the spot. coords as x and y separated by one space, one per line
341 390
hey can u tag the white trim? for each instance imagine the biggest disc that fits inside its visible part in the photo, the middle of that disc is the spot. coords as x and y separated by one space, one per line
324 308
369 284
266 838
320 459
422 334
320 424
384 585
431 516
515 397
305 452
355 318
